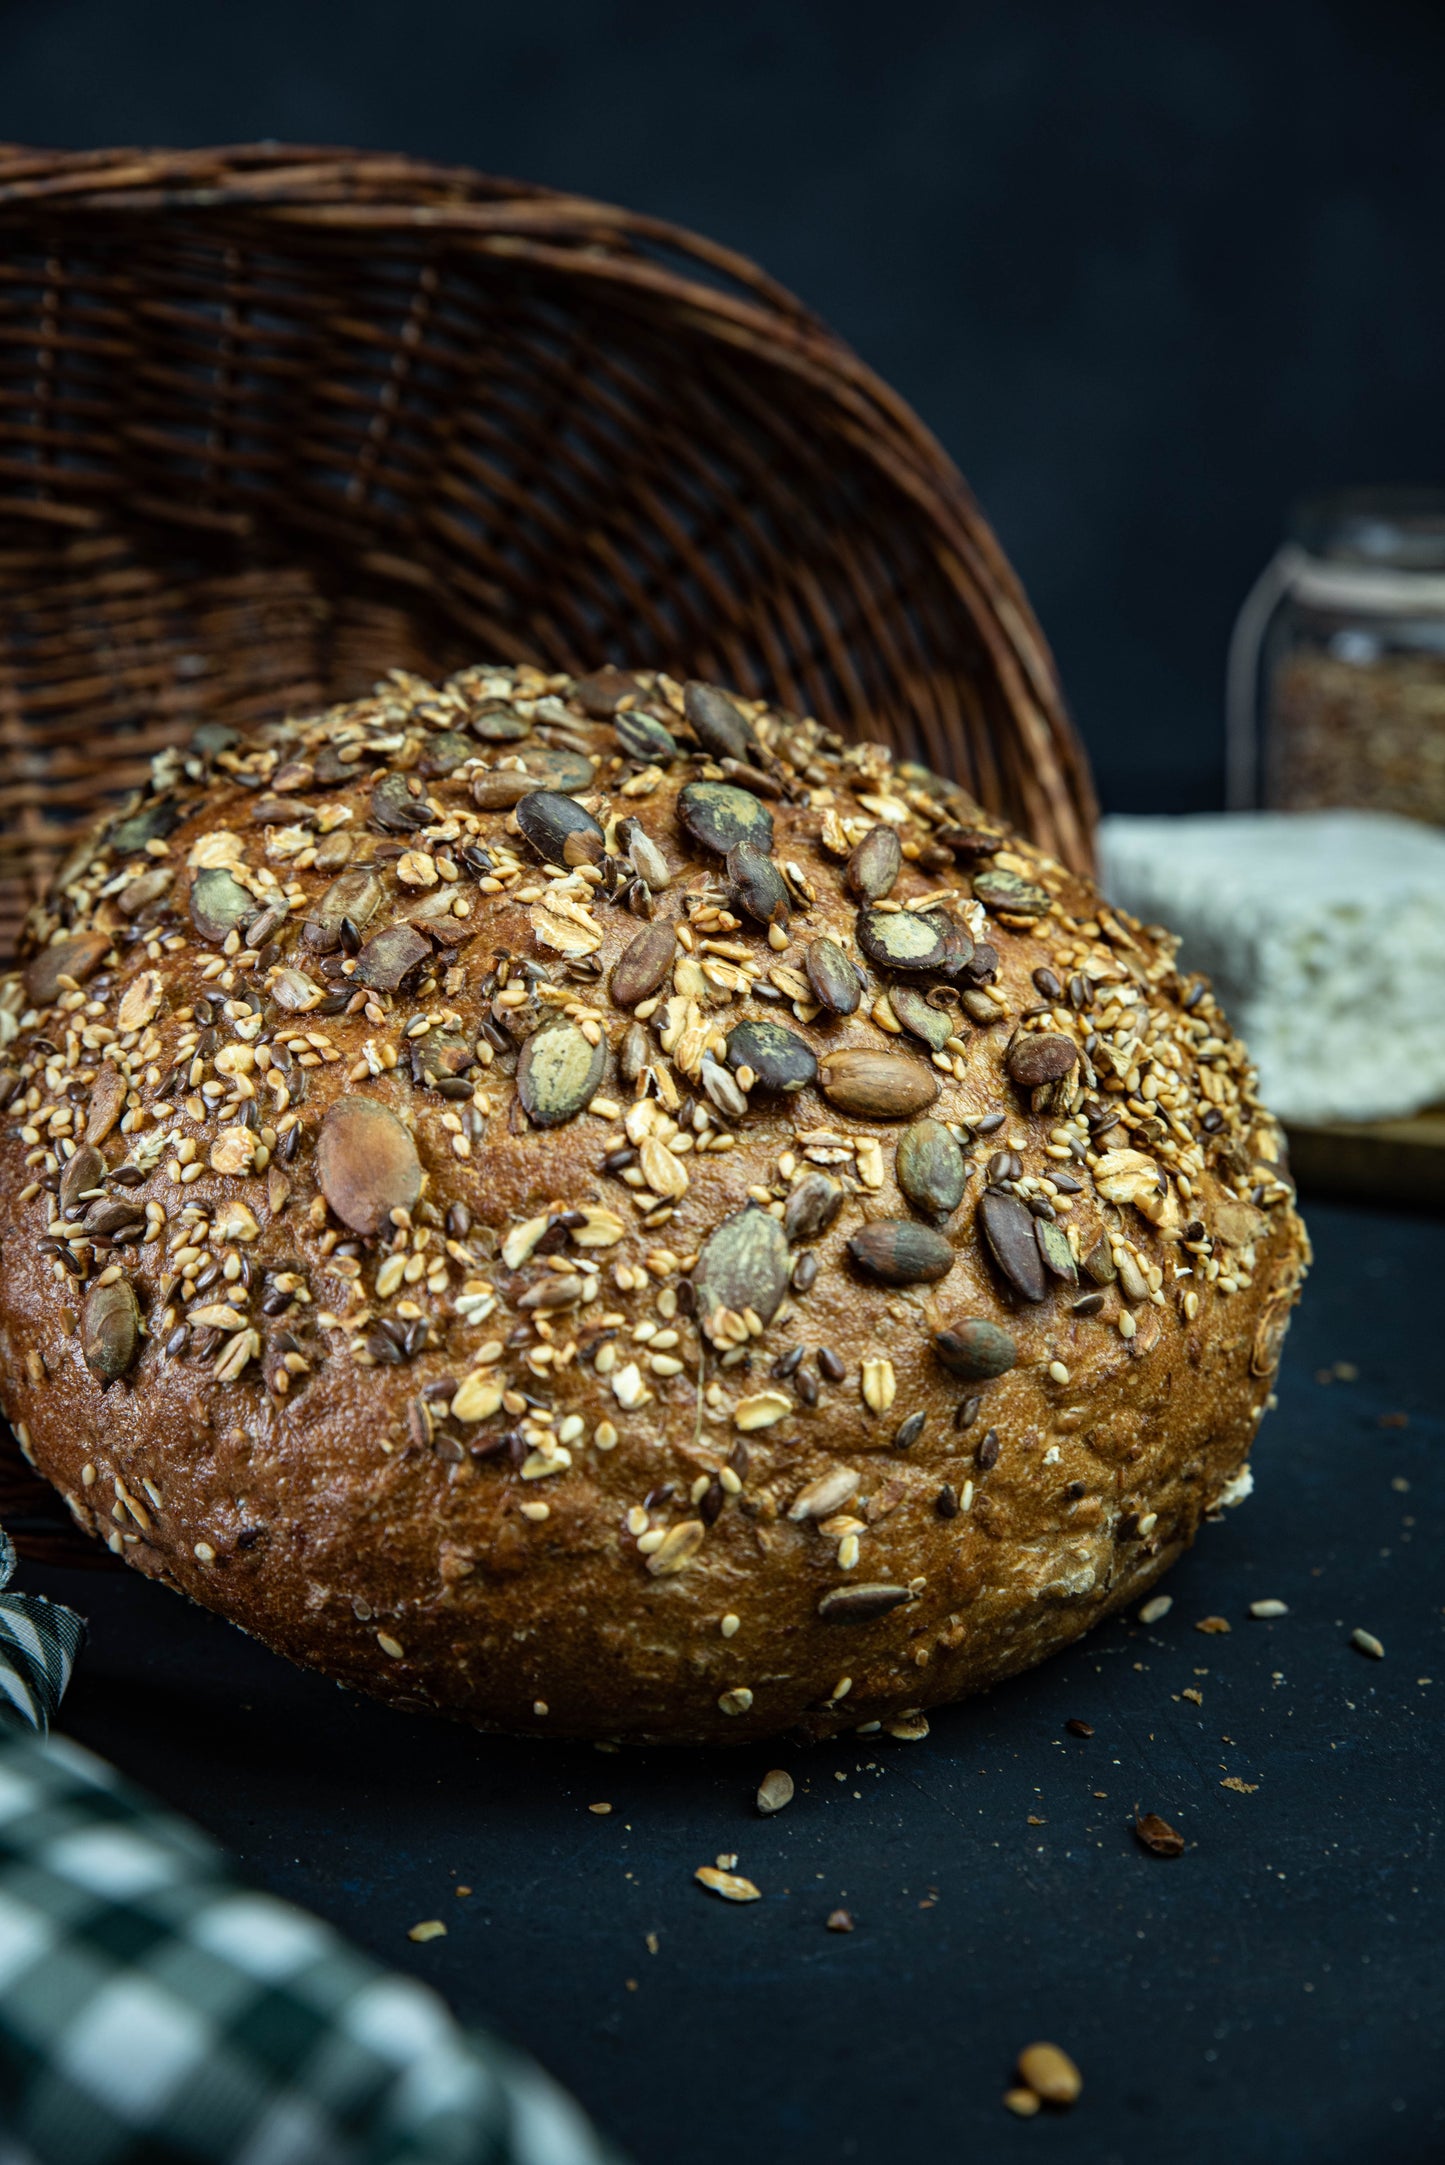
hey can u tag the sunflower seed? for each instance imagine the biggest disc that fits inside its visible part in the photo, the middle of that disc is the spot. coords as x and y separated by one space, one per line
976 1348
219 903
85 1170
901 939
776 1055
933 1026
356 896
497 723
643 964
895 1251
875 864
390 956
647 860
1157 1835
444 753
366 1163
548 819
719 816
744 1264
1099 1263
812 1207
930 1168
643 736
719 726
395 809
558 1073
856 1604
1008 1230
110 1329
1035 1060
755 886
908 1432
877 1085
999 890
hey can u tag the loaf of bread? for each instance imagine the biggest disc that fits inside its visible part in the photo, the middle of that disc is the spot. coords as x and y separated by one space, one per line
593 1208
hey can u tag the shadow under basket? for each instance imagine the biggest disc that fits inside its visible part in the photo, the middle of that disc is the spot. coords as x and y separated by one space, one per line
274 420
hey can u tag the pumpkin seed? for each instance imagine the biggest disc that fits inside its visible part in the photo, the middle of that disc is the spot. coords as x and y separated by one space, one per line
548 819
832 976
930 1169
219 903
599 693
1099 1263
744 1264
1000 890
395 809
775 1790
901 939
444 753
877 1085
558 1073
776 1055
857 1604
719 816
85 1170
107 1101
499 789
643 964
895 1251
976 1348
719 726
1008 1230
1054 1248
960 958
933 1026
357 895
1041 1058
440 1056
755 886
643 736
110 1329
390 956
366 1163
875 864
497 723
79 958
812 1207
151 824
550 767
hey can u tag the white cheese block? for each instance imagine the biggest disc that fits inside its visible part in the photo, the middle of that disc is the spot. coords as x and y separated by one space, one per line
1324 933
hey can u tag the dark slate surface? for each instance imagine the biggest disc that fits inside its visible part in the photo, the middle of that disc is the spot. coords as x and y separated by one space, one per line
1275 1994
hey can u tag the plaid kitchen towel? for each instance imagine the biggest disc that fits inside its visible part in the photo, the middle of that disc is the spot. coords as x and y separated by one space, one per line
155 2011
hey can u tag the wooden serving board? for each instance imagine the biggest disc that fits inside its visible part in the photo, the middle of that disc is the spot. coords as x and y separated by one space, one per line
1382 1161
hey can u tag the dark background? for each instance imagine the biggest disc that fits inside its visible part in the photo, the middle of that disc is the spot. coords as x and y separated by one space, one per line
1149 270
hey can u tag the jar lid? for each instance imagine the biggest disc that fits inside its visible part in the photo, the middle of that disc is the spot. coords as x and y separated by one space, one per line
1386 529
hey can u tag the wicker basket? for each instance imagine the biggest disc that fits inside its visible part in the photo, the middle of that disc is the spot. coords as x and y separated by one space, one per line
273 420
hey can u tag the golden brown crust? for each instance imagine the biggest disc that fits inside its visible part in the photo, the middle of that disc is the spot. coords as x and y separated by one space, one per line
624 1422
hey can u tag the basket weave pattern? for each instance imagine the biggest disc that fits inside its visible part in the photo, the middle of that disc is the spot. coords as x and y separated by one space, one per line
274 420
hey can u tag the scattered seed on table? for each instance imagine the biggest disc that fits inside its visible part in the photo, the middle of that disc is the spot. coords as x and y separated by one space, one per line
1213 1624
1155 1610
1266 1609
1157 1835
1367 1643
730 1885
1079 1728
430 1928
774 1791
1050 2074
840 1920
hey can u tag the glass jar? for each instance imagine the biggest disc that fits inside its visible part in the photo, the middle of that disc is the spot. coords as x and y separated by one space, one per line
1340 648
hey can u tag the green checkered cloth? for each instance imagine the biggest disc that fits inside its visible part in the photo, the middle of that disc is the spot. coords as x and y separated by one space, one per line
155 2011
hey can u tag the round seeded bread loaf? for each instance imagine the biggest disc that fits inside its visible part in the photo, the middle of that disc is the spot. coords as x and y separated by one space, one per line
589 1206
